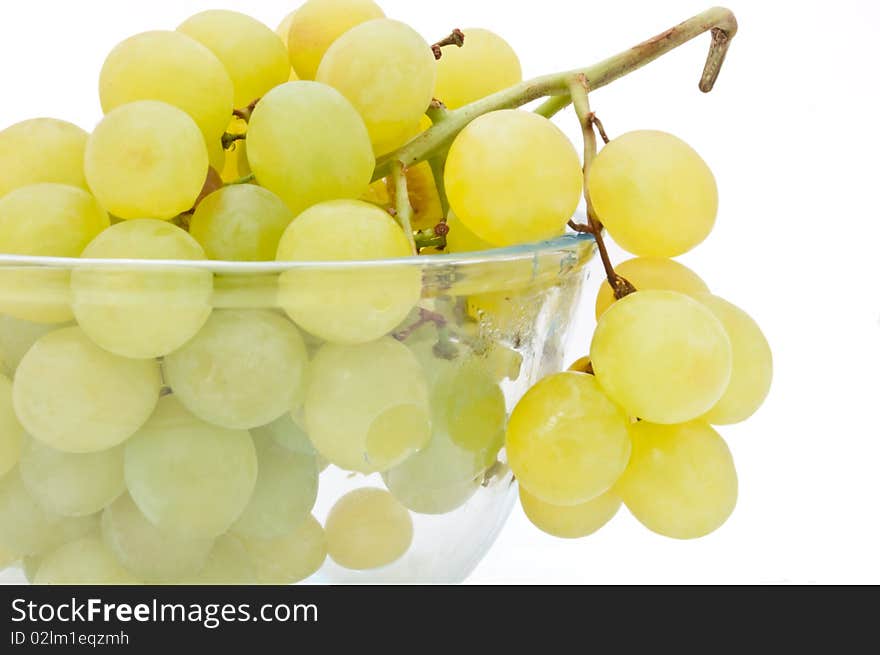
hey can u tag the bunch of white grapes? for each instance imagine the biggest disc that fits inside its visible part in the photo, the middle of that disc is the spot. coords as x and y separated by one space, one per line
165 420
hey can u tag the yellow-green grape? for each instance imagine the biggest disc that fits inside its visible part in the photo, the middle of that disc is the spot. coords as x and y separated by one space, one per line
173 68
11 431
460 239
146 159
317 24
47 219
290 558
26 528
287 487
571 521
188 476
87 561
218 158
16 338
472 408
7 559
484 65
153 554
513 177
78 398
253 55
283 29
242 222
367 529
30 564
582 365
436 480
352 304
41 150
652 273
388 72
567 443
308 144
367 406
662 356
229 563
72 484
142 313
653 193
752 370
244 369
287 433
65 530
681 481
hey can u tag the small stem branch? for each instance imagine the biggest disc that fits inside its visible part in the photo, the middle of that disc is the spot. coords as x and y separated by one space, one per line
456 39
553 106
720 21
245 113
247 179
403 207
425 316
228 139
437 111
434 237
438 168
601 129
579 90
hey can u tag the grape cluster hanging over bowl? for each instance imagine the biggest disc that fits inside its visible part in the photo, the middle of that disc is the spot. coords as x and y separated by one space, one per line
295 310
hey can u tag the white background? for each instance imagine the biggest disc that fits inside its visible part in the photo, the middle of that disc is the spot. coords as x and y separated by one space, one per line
791 132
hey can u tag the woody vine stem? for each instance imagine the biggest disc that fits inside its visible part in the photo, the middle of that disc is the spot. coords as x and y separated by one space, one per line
563 89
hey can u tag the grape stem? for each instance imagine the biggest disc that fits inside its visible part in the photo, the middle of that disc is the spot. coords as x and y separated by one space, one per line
228 139
247 179
245 113
403 208
718 20
434 237
579 92
456 39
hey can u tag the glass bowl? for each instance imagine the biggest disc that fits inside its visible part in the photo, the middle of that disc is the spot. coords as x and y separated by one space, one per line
470 333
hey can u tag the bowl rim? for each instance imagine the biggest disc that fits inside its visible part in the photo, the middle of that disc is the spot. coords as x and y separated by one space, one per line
566 243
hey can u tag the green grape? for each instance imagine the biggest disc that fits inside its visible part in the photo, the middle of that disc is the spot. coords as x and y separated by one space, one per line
653 193
567 443
146 159
388 72
244 369
253 55
572 521
16 338
47 219
368 529
290 558
173 68
84 562
681 481
229 563
348 304
242 222
460 239
142 313
472 408
484 65
307 144
41 150
11 431
367 406
78 398
30 564
287 487
287 433
26 528
72 484
317 24
7 559
153 554
513 177
436 480
283 29
652 274
662 356
187 476
752 369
